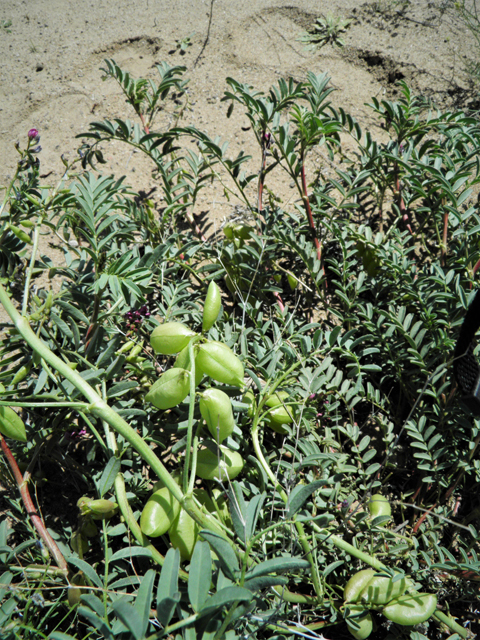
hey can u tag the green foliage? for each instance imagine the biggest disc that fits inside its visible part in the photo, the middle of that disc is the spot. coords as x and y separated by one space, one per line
356 357
325 30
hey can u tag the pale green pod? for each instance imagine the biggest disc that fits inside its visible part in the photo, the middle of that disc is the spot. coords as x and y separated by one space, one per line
381 590
100 509
411 609
378 505
216 410
183 534
11 425
226 466
159 512
170 389
211 308
357 584
360 624
219 362
170 338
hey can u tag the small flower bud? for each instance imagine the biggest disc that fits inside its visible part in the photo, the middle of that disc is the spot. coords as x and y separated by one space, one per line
33 133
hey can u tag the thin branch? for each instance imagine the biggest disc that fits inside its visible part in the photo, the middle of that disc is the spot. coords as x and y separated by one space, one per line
30 508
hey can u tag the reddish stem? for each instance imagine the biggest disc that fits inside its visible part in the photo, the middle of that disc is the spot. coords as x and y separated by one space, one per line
444 239
145 126
30 508
306 202
281 306
195 226
266 138
422 518
261 174
401 204
475 269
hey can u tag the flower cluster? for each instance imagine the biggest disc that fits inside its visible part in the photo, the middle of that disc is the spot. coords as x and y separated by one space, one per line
134 317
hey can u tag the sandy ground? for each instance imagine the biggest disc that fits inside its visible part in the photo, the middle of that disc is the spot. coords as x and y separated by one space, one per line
52 52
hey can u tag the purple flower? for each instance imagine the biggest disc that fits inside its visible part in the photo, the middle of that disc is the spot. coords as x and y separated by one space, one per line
134 317
33 133
74 435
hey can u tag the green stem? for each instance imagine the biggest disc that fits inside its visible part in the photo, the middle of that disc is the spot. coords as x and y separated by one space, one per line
178 625
58 405
191 484
191 410
306 203
451 624
220 633
106 555
35 569
298 525
298 598
26 289
350 549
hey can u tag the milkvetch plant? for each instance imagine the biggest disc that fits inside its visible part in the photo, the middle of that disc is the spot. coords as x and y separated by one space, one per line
249 423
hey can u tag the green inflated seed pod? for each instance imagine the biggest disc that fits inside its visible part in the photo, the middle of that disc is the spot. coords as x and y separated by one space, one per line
378 505
219 362
292 281
170 389
280 415
128 346
249 398
228 231
243 231
74 592
216 410
411 609
21 235
359 622
11 425
226 466
170 338
100 509
381 590
89 529
159 513
79 543
211 308
21 374
276 399
357 584
183 534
